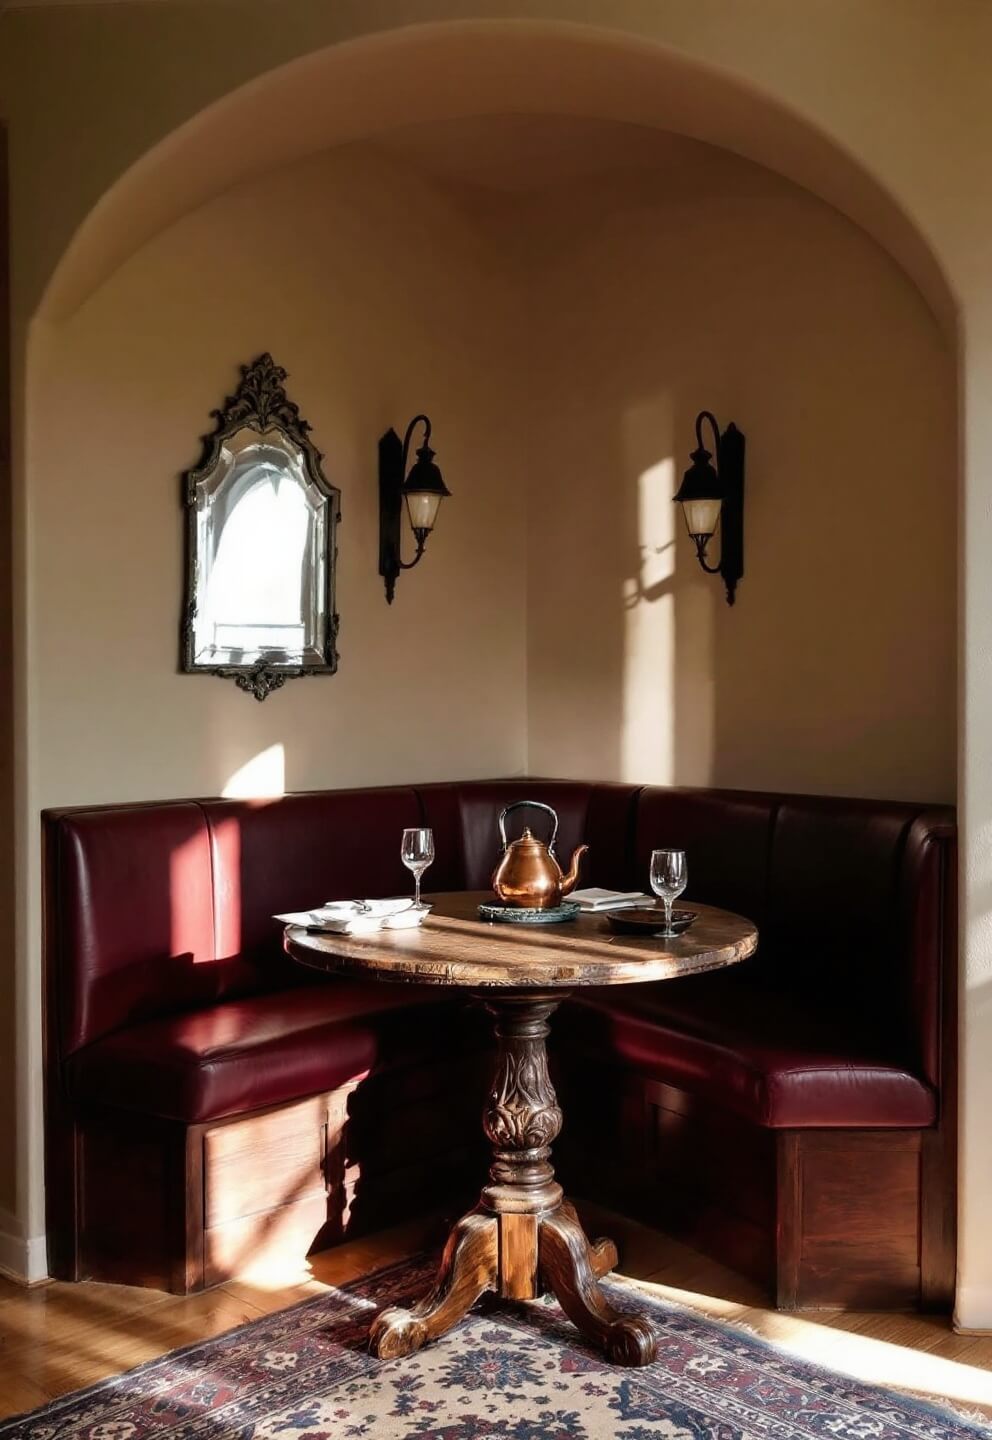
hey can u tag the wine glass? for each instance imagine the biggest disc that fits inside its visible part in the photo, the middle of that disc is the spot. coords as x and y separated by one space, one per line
417 853
669 877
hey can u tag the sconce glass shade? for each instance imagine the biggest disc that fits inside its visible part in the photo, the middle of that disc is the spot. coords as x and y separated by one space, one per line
701 517
701 496
422 507
423 492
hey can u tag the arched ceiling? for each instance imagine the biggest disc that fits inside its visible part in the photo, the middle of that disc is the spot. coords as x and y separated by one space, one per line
430 73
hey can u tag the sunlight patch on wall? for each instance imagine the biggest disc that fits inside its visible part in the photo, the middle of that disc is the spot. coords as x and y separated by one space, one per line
647 735
261 777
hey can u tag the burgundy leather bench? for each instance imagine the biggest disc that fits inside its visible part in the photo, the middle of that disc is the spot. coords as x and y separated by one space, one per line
794 1115
206 1099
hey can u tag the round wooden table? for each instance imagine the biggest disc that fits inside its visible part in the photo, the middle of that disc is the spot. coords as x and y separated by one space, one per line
523 1237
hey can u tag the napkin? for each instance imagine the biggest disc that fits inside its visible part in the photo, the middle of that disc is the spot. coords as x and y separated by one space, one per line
369 907
358 917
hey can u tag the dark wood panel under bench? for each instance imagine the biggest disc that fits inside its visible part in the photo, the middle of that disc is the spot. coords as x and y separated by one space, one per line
205 1102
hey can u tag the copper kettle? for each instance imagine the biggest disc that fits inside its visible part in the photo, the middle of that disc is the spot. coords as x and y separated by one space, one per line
529 876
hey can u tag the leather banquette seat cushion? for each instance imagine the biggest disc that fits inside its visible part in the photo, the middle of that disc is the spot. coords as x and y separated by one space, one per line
262 1050
767 1056
174 997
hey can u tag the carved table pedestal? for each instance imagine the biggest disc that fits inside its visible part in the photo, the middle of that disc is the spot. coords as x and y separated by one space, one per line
523 1238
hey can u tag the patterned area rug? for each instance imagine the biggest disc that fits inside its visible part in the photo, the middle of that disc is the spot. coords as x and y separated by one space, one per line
506 1373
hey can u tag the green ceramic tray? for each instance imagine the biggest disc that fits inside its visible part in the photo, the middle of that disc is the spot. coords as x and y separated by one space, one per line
515 915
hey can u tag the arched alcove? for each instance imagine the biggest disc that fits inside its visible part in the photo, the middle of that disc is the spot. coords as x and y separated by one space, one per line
444 305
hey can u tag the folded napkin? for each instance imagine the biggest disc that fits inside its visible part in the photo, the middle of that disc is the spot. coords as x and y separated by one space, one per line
359 917
597 899
341 909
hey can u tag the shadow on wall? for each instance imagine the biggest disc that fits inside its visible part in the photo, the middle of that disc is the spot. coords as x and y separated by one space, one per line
835 671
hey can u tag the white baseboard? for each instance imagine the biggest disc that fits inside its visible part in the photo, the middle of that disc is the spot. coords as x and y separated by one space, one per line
973 1310
21 1258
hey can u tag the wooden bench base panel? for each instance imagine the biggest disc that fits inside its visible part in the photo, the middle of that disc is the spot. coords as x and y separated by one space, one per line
159 1204
849 1219
822 1218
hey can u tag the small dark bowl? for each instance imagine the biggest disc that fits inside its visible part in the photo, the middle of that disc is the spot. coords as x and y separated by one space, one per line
648 922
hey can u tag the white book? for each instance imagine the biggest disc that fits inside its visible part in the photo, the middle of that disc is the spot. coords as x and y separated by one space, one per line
596 898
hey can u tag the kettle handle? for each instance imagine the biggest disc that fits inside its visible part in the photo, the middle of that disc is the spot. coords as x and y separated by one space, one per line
535 805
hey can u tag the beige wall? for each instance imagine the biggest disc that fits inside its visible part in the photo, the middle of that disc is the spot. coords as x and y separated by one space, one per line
892 144
712 283
372 291
563 344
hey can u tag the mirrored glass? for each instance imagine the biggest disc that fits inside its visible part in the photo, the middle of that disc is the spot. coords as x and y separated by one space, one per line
260 556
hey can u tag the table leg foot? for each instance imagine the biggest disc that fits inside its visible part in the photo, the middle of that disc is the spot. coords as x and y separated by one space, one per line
469 1266
570 1267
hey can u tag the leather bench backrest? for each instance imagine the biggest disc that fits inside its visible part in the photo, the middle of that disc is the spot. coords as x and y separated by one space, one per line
928 910
295 853
726 835
858 894
159 908
834 886
129 917
854 899
154 909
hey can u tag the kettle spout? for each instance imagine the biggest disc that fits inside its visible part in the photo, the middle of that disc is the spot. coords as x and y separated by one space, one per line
568 881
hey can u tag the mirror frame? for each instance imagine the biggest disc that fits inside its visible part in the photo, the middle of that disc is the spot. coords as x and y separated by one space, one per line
261 404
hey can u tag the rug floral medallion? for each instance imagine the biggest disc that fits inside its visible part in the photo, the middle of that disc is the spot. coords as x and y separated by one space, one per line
505 1373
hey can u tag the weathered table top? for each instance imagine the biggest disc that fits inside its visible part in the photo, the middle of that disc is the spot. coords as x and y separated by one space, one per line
455 947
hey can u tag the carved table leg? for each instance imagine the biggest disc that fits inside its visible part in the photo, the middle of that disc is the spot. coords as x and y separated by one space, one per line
524 1235
568 1264
468 1268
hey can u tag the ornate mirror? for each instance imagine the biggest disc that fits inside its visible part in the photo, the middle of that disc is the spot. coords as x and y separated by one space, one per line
260 543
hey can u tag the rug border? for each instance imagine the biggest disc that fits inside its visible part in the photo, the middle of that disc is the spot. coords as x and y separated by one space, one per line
980 1426
942 1410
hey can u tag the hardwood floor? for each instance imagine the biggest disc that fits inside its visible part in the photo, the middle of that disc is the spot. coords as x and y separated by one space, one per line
58 1337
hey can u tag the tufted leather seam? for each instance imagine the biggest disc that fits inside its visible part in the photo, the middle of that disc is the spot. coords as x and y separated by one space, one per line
630 841
766 898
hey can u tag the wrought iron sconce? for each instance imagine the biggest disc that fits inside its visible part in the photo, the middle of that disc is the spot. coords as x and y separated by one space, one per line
421 492
712 496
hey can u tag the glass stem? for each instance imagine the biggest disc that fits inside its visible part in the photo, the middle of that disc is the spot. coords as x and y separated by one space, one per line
668 914
416 890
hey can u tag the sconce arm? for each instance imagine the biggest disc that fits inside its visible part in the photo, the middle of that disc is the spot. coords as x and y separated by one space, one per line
708 415
701 543
417 420
421 544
